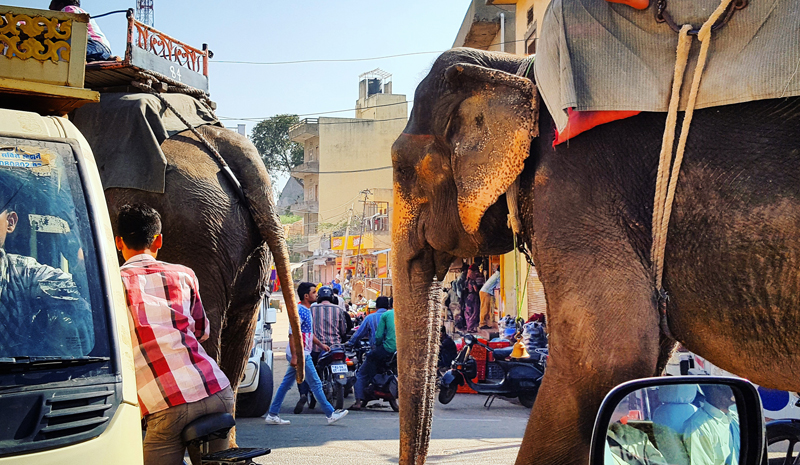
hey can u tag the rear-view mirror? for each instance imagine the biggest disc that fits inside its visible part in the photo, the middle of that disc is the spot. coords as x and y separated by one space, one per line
680 420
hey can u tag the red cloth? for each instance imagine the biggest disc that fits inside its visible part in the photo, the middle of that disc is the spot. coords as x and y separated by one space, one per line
582 121
167 325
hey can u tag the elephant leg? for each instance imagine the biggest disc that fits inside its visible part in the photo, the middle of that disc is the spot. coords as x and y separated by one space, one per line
603 325
240 316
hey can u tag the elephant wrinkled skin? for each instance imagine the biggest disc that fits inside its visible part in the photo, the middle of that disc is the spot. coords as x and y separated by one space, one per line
226 242
732 264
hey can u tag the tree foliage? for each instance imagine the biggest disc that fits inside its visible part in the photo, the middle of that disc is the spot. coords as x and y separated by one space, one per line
271 138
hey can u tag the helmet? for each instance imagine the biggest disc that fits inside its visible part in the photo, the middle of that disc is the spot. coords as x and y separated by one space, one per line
325 293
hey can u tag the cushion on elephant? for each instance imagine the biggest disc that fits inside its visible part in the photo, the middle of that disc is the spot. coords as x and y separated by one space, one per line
601 56
126 131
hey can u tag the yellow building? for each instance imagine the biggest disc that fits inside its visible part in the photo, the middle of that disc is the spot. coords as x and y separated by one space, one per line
347 164
529 14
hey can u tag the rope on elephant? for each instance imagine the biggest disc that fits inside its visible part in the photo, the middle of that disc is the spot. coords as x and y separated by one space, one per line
666 179
148 87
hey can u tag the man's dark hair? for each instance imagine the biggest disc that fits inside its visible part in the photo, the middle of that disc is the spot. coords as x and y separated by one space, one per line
382 302
303 289
58 5
138 225
335 291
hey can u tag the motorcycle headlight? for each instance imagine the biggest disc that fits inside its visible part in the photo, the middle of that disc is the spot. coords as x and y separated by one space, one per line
469 339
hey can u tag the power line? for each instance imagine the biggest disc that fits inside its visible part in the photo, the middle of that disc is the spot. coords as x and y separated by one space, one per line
344 60
322 60
356 171
319 112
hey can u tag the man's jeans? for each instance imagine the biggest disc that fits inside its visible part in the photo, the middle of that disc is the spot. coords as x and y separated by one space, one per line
313 382
96 51
162 441
368 370
303 387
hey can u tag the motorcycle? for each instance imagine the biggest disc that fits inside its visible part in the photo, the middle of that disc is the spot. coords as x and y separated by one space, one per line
382 386
521 377
336 375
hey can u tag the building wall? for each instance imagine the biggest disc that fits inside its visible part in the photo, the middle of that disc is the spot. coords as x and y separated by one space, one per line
361 148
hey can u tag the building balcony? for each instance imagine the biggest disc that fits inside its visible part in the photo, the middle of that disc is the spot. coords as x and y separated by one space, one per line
306 169
304 130
309 206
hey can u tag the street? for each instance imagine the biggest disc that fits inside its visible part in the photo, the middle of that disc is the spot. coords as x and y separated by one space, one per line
463 429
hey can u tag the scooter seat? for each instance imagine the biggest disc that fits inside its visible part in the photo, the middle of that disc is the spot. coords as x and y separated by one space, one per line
213 423
502 353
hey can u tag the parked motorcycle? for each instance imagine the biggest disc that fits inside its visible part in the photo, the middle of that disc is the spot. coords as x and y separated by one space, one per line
521 377
383 385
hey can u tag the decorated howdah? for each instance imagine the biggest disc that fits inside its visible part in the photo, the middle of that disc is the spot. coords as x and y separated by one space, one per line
42 55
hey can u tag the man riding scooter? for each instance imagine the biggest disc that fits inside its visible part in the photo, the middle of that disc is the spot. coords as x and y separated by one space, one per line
384 347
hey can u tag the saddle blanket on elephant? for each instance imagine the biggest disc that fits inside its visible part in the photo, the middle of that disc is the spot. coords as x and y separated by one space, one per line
599 56
126 131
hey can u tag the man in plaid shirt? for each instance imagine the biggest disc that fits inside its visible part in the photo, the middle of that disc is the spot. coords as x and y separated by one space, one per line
176 380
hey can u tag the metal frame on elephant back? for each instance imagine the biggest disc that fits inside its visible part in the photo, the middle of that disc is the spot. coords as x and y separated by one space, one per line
150 53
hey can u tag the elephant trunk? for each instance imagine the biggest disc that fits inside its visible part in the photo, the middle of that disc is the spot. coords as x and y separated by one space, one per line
418 320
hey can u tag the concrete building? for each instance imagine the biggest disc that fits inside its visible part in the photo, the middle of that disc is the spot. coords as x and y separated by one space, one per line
529 14
488 26
343 157
292 194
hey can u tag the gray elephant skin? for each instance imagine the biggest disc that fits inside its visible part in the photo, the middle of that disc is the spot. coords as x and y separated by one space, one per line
224 240
732 263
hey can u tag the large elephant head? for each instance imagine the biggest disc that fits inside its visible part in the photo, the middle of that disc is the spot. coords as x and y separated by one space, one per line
465 144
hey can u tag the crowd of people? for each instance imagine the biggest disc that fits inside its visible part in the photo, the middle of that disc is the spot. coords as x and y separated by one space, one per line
470 299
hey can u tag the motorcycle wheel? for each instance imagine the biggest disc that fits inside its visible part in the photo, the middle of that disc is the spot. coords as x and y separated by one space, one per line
784 437
393 405
338 396
446 393
527 400
328 384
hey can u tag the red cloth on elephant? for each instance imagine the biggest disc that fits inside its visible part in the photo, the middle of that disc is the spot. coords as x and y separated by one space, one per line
168 323
582 121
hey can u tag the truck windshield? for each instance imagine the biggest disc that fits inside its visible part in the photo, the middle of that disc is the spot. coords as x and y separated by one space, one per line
52 299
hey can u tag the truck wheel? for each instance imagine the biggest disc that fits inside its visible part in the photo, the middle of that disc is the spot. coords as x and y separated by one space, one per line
256 403
447 393
338 396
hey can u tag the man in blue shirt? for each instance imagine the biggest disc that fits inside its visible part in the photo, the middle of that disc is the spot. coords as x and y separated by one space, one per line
307 294
370 324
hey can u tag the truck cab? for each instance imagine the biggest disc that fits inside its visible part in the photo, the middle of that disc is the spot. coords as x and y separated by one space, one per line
67 383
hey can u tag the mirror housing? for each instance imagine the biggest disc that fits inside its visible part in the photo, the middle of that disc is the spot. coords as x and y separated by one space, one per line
748 405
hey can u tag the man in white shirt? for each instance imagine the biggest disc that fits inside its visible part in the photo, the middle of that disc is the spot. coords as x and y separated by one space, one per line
487 300
707 434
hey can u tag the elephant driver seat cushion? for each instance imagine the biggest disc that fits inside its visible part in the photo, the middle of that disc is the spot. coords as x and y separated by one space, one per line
598 61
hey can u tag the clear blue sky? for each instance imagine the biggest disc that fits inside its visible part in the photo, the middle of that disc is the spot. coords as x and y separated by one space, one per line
269 31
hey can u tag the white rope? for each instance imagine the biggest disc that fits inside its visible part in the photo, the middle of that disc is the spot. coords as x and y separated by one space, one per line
665 192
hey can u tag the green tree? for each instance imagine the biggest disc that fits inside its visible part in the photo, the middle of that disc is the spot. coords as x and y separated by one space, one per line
271 138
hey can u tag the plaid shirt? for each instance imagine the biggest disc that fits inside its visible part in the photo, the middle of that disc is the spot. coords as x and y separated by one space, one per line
329 323
168 323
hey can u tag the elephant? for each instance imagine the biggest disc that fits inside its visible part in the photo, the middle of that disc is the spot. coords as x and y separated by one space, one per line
224 240
732 259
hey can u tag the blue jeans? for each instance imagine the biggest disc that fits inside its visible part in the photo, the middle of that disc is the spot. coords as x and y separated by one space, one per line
96 51
313 382
368 370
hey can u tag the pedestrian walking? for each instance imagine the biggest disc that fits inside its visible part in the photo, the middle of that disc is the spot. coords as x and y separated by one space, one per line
308 295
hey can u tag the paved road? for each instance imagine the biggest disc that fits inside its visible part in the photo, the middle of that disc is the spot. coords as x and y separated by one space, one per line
462 430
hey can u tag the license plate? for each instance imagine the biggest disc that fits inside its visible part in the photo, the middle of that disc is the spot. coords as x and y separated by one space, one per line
339 368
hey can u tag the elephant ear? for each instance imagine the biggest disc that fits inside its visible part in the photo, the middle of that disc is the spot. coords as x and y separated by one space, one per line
490 132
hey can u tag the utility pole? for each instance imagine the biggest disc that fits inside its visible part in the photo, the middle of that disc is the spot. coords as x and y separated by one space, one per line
346 237
366 192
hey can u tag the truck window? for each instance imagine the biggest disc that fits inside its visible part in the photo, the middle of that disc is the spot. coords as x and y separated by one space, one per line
52 298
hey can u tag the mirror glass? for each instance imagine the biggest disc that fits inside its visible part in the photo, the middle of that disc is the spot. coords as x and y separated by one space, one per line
679 424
